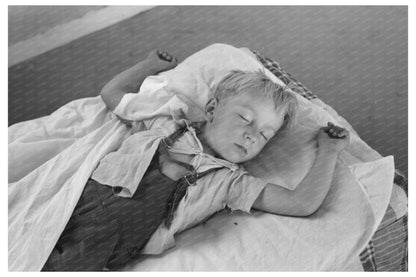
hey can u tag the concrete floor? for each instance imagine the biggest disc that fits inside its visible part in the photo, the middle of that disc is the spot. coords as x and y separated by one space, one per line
353 58
28 21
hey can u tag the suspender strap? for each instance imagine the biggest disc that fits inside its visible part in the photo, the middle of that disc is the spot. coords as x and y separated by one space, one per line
171 139
187 166
168 142
181 187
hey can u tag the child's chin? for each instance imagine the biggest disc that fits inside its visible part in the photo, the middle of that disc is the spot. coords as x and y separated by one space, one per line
235 158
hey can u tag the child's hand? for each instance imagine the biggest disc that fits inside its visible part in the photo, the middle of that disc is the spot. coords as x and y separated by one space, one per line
161 60
333 138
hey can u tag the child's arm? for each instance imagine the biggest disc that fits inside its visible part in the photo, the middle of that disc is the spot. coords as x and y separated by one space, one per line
311 192
130 80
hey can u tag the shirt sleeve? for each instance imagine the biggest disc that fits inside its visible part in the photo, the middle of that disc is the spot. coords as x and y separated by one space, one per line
244 191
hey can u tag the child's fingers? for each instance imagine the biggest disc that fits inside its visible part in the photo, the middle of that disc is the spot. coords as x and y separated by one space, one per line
333 131
342 132
164 55
161 54
167 57
326 129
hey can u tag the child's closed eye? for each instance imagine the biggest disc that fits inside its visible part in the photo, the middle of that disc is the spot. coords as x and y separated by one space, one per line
242 117
264 136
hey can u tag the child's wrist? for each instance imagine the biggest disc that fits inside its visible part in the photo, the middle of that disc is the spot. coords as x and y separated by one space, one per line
328 149
155 67
150 67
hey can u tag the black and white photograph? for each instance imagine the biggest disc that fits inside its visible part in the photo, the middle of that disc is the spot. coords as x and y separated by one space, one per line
207 138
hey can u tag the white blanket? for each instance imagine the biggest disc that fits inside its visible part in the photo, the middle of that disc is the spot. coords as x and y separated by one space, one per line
51 158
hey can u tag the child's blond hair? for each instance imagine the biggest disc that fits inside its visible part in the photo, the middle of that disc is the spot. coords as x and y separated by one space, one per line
238 81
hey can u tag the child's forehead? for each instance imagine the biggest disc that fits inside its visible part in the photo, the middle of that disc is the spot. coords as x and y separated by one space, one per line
250 100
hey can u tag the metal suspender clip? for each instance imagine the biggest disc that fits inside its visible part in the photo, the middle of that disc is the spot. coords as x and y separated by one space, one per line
191 179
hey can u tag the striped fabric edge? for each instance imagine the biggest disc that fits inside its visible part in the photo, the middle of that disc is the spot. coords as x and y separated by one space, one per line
284 76
401 180
388 249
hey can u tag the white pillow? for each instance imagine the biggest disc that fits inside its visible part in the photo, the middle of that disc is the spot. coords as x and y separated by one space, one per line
288 157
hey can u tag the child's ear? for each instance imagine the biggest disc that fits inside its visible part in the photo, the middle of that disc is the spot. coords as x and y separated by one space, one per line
210 108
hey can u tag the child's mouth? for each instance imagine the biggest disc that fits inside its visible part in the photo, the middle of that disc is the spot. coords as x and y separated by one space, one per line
241 148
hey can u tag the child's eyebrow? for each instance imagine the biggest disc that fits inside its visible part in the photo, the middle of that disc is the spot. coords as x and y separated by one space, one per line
247 107
253 113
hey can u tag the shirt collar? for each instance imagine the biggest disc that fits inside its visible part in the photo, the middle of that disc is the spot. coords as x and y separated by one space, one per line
195 130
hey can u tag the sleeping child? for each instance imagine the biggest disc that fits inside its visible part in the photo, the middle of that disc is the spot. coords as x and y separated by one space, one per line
196 171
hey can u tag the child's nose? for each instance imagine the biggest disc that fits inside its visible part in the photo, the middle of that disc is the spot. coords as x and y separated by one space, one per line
249 137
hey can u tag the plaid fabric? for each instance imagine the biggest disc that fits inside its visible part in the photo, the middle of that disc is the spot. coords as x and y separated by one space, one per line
284 76
387 249
400 180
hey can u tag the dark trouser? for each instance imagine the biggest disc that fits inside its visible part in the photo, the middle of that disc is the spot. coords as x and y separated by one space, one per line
109 231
